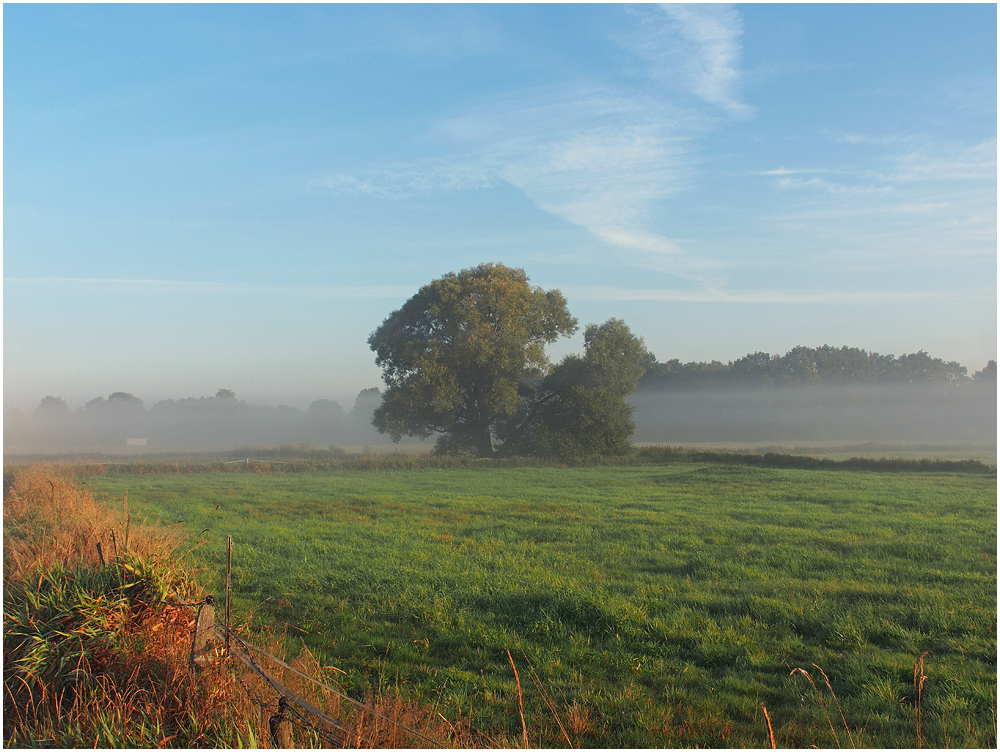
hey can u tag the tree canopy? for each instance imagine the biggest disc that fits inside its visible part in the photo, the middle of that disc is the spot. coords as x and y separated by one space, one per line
456 354
465 359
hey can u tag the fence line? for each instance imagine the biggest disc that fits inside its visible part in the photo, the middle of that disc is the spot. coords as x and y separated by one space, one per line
278 723
227 635
333 691
284 691
248 460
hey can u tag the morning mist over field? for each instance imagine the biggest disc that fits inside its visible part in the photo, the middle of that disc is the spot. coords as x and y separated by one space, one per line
234 198
917 405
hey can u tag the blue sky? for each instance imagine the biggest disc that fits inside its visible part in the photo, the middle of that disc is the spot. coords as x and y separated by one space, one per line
209 196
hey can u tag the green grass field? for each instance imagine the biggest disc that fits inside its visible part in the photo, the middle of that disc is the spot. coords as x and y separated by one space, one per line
650 605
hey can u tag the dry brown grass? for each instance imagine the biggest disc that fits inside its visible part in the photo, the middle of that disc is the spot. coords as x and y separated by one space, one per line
133 687
770 729
48 519
578 719
380 721
143 692
148 696
919 677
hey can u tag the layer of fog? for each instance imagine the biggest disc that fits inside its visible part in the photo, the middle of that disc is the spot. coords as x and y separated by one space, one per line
900 413
925 414
123 425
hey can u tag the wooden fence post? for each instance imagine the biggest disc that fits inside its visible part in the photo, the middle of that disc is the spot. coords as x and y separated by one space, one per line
281 727
204 630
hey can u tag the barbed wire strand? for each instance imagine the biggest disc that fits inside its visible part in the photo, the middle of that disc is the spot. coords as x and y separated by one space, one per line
250 694
275 684
300 720
303 722
249 661
328 688
284 691
187 605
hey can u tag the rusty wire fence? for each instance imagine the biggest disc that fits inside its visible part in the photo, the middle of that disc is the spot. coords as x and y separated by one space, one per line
290 716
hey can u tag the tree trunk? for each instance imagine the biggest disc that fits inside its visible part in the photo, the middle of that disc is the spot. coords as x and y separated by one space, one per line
484 441
481 430
484 437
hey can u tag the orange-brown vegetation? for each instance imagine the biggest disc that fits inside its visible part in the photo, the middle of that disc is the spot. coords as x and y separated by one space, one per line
96 656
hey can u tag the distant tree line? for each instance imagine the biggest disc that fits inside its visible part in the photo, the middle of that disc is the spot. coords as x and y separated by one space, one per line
463 362
221 421
914 397
824 393
812 366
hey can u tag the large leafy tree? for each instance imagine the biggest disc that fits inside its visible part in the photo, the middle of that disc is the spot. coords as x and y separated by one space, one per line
459 357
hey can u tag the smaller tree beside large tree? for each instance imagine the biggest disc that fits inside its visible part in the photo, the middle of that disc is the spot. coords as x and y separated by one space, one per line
579 409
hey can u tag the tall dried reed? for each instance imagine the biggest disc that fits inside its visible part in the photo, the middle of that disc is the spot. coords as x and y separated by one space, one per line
919 678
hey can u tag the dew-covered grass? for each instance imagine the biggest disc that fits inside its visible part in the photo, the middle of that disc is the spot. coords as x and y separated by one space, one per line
649 604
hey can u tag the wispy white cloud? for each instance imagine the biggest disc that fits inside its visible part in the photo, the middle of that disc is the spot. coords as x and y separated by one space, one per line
712 34
915 199
774 297
781 171
830 186
912 157
852 137
604 178
948 162
145 287
428 178
595 158
599 156
640 241
115 286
